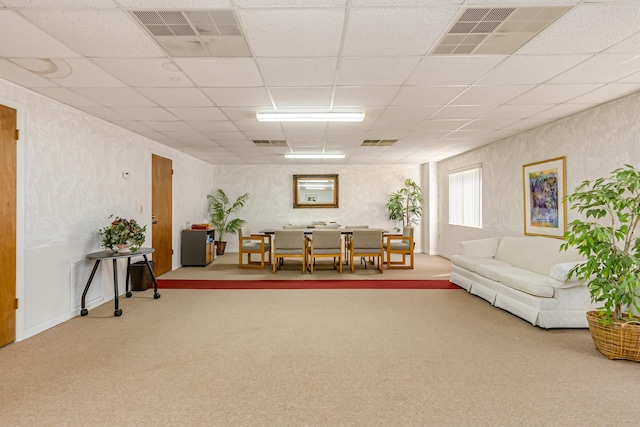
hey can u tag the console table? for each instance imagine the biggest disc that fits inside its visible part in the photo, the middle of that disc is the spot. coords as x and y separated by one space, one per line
106 255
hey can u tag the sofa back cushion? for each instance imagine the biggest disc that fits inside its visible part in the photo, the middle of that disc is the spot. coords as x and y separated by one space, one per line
537 254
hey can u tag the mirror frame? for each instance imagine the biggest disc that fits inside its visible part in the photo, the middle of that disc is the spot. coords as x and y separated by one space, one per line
303 204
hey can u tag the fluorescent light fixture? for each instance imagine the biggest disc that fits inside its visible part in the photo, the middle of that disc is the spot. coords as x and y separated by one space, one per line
310 117
314 156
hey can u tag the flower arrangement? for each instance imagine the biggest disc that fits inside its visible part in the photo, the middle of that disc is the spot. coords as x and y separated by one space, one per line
123 233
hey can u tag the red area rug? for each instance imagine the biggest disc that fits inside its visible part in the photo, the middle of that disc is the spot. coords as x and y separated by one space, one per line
305 284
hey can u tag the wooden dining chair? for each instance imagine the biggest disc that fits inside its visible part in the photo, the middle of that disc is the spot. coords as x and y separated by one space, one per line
325 244
289 244
366 243
400 244
253 244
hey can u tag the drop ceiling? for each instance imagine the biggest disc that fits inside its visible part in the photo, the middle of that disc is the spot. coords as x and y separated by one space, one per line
438 77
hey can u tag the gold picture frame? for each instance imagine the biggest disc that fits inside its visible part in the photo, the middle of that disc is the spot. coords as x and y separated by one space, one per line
315 191
544 185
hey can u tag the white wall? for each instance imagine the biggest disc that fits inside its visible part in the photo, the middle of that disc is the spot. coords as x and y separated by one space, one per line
364 190
69 182
594 142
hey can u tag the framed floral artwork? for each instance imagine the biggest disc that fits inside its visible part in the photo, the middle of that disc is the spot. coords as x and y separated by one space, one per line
545 213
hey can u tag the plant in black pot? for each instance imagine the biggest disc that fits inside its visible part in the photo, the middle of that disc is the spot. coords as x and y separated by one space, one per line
220 211
606 238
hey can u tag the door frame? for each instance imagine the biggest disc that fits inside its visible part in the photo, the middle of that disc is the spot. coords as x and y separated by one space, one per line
20 211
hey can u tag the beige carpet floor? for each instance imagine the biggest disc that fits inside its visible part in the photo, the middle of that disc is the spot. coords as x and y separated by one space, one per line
312 358
225 267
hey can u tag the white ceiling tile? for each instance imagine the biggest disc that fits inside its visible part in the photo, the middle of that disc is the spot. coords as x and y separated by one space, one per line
104 113
553 94
146 113
115 96
132 125
298 71
20 76
227 136
239 96
520 69
199 113
628 45
225 72
167 126
590 28
289 3
293 32
516 111
490 95
303 97
145 72
411 112
68 97
376 71
73 4
395 31
601 69
452 70
177 97
219 126
356 96
32 42
488 124
462 112
442 125
175 4
254 125
427 95
633 78
95 33
562 110
71 72
607 93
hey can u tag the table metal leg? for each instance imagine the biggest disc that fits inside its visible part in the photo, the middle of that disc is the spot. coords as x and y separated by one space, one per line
84 311
128 293
118 311
156 295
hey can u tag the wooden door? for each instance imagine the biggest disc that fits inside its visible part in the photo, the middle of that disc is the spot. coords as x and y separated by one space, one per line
161 211
8 168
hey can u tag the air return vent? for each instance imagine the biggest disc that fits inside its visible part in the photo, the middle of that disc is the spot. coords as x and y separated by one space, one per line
270 142
378 142
199 33
496 31
80 272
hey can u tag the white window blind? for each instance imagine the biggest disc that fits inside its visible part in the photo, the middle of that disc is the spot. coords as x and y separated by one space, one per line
465 198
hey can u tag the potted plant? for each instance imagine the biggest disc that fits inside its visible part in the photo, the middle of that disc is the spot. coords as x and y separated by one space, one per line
123 235
220 209
405 205
606 238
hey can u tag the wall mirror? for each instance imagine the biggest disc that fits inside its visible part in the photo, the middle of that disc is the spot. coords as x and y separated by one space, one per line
315 191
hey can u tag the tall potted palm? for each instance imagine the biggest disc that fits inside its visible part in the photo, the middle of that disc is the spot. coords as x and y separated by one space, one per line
606 237
220 211
405 205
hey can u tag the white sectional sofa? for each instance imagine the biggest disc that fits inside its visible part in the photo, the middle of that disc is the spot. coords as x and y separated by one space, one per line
525 276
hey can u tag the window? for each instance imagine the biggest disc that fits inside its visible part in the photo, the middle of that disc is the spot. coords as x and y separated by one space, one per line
465 197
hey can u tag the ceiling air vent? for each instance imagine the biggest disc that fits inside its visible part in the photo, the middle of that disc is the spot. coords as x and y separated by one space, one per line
496 31
378 142
270 143
200 33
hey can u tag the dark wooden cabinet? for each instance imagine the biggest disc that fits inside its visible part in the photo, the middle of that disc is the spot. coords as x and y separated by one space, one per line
198 247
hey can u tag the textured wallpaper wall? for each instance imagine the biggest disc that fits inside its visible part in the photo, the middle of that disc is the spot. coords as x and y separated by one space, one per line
70 180
364 190
594 143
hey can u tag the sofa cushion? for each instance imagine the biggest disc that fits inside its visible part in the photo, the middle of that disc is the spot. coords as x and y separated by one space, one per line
528 282
470 263
481 248
493 271
559 273
537 254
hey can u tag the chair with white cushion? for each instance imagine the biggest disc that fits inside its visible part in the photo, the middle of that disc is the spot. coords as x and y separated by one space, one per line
325 244
289 244
366 243
250 244
400 244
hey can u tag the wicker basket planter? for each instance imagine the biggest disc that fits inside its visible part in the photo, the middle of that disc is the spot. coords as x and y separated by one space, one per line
618 341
